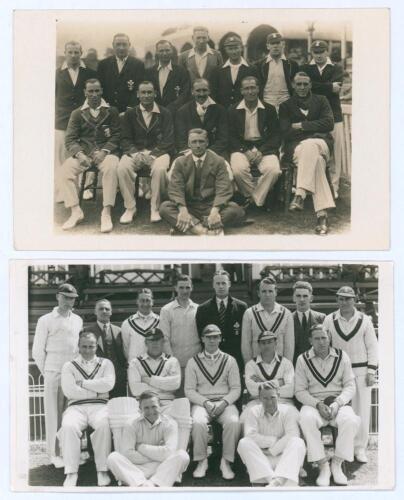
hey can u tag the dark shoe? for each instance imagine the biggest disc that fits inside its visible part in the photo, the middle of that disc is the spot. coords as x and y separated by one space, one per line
297 203
246 204
322 225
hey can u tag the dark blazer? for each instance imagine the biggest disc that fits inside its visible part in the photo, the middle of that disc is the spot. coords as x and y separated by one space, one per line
222 88
216 187
120 89
290 68
322 84
86 133
268 126
318 123
158 137
214 60
214 122
113 353
207 313
302 343
177 89
68 97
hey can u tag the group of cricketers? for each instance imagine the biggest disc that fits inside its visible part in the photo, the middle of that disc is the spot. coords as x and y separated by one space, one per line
270 378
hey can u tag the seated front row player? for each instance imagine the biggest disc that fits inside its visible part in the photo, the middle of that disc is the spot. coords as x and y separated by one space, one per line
150 456
200 191
325 385
212 384
159 372
272 449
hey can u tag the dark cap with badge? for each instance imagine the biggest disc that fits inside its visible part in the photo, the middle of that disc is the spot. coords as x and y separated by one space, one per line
232 40
267 335
154 334
346 291
68 290
274 38
211 330
319 46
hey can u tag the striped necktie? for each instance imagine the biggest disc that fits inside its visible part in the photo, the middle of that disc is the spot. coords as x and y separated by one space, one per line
304 322
222 314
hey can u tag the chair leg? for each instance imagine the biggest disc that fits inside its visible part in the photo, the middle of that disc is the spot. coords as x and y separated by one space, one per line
288 184
329 180
82 186
95 184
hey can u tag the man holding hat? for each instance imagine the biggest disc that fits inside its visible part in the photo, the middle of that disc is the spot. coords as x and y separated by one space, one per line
272 448
212 384
269 366
55 342
327 80
276 72
353 332
161 373
226 80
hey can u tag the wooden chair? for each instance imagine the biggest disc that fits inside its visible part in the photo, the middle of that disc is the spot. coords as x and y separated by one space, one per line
93 186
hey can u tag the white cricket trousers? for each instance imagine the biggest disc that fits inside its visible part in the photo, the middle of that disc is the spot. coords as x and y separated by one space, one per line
361 406
54 403
60 157
71 169
269 168
127 177
230 422
75 420
160 473
310 157
262 467
336 158
347 424
180 410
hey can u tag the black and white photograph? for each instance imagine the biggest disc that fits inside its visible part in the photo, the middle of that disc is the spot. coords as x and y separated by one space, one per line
221 126
192 374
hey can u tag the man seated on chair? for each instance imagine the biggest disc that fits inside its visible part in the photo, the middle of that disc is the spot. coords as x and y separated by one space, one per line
161 373
86 382
147 143
268 366
92 140
325 385
212 384
272 449
199 191
254 141
149 457
306 121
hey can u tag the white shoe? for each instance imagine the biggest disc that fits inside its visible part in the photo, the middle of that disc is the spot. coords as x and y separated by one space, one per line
57 462
103 478
226 470
71 480
324 476
201 469
336 471
360 456
155 216
128 216
302 473
88 194
106 223
73 220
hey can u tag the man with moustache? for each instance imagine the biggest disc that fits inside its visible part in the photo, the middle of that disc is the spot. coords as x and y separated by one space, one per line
120 75
109 345
55 342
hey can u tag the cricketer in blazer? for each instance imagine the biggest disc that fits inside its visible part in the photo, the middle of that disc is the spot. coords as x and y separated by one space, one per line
318 123
215 123
120 89
176 91
223 90
290 68
86 133
207 314
115 354
268 126
187 60
158 137
302 343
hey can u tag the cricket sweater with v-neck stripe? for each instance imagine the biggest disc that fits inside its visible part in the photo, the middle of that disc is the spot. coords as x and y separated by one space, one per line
356 337
134 330
164 373
212 379
96 378
317 378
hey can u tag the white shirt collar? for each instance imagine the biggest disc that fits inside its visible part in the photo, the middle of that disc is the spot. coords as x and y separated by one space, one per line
155 109
332 352
103 104
84 362
243 105
192 52
121 60
169 66
202 158
146 356
157 422
306 313
338 315
64 65
276 308
225 300
260 360
270 58
138 314
209 101
328 61
102 325
191 303
56 313
243 62
214 355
